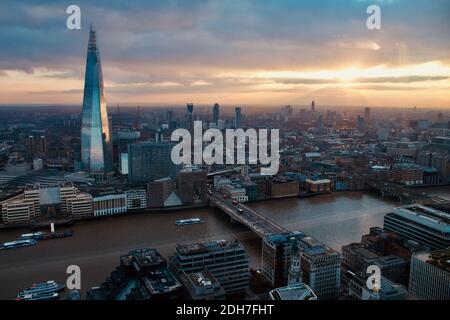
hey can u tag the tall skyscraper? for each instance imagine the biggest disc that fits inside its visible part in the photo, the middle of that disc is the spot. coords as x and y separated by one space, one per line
313 106
96 146
190 116
216 113
237 117
367 115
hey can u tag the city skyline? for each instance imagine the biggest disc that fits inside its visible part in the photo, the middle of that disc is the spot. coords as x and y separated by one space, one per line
254 53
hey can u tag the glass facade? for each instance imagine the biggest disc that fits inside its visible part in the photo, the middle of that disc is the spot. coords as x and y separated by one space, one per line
96 146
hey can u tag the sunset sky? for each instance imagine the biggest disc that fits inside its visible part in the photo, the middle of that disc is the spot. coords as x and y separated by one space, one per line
235 52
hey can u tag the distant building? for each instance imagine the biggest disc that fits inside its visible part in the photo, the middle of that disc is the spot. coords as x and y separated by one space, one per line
441 143
38 164
235 191
430 275
282 187
237 117
110 204
408 173
318 186
37 146
299 291
148 161
226 260
216 114
427 226
136 199
43 202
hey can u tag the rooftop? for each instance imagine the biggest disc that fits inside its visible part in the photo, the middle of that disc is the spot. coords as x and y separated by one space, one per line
205 247
439 258
430 217
295 292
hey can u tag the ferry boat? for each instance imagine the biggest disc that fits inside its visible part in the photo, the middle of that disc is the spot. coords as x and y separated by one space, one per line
54 235
50 286
30 235
183 222
18 243
39 296
46 235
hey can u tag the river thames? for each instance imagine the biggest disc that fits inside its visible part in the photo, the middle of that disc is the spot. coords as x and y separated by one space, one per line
335 219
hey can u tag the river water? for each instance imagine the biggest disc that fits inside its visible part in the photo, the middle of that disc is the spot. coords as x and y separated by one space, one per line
335 219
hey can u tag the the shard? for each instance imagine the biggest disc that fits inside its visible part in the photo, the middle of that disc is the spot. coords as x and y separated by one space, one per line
96 144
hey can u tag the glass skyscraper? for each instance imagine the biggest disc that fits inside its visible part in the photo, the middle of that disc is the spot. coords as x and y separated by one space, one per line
96 146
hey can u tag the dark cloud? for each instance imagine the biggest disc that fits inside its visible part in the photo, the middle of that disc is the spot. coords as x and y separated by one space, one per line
145 43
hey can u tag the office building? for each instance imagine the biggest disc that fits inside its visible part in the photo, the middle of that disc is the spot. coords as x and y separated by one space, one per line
320 265
109 204
408 173
162 193
425 225
96 144
299 291
216 114
235 191
136 199
202 285
148 161
367 115
226 260
237 117
190 116
37 146
430 275
356 257
192 186
44 202
143 274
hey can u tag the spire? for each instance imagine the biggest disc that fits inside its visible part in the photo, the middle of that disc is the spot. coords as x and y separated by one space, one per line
92 39
295 272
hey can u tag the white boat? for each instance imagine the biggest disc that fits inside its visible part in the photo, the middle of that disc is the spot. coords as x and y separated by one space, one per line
183 222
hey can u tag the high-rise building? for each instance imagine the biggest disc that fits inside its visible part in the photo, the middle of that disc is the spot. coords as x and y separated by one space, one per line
430 275
216 114
161 193
96 146
367 115
149 161
428 226
320 265
190 116
313 106
226 260
237 117
37 146
193 185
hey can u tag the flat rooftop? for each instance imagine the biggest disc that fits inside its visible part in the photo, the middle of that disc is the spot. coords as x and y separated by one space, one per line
427 216
438 258
205 247
295 292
